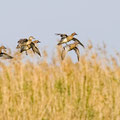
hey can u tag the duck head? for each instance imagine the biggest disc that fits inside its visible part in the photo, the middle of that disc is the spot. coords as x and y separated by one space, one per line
31 38
74 34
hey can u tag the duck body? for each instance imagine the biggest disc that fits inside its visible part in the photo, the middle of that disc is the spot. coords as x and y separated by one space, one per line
68 48
24 48
63 40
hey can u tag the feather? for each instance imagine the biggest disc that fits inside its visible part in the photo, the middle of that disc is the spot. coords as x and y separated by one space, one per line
35 49
5 56
77 52
76 40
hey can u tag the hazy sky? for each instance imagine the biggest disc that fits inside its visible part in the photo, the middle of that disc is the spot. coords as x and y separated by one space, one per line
95 20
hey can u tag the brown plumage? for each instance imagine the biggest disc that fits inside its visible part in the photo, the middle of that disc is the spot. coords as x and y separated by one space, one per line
26 41
36 41
66 38
25 46
77 41
35 49
70 47
62 35
4 55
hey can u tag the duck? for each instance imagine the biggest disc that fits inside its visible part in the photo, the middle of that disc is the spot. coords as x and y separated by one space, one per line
4 55
70 47
31 45
24 44
65 38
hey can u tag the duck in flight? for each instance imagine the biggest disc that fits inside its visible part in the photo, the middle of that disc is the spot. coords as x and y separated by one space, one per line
70 47
66 38
26 44
4 55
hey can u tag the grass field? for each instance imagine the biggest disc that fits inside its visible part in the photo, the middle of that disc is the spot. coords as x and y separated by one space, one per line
61 90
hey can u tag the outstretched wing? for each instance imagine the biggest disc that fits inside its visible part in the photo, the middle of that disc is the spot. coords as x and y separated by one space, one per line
75 39
77 52
5 56
22 41
35 49
62 35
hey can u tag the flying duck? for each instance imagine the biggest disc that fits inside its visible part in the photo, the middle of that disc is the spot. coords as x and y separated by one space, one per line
31 45
24 44
4 55
70 47
65 38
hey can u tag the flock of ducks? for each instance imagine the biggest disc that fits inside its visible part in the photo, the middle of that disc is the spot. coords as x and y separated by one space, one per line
26 44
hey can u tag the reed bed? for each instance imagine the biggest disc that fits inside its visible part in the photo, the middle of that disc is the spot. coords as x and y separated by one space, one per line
61 90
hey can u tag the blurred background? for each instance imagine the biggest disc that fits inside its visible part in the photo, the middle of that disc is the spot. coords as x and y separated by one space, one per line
98 21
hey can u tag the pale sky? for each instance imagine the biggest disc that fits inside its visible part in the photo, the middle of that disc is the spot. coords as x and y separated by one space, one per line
95 20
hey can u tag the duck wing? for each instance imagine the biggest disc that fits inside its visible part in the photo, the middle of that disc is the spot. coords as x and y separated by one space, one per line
62 35
5 56
77 52
64 52
35 49
22 41
63 40
75 39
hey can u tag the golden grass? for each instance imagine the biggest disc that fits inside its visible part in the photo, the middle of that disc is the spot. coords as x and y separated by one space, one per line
61 90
